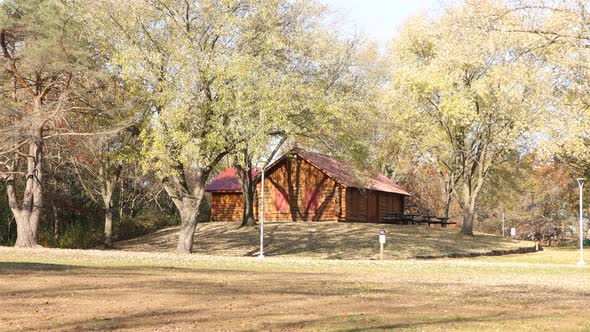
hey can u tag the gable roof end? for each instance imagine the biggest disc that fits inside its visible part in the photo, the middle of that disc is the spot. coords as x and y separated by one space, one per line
343 173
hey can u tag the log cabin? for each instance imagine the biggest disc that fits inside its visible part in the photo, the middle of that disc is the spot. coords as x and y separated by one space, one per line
309 186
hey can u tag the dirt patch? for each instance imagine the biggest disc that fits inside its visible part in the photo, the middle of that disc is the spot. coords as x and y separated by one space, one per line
331 241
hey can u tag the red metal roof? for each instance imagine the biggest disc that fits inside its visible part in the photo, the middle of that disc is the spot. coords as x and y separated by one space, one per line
228 181
334 168
343 173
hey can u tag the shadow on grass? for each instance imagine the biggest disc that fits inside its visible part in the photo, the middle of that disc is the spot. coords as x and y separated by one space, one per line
444 322
151 319
24 267
328 240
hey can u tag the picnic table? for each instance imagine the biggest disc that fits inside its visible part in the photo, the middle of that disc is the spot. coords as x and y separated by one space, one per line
406 219
402 219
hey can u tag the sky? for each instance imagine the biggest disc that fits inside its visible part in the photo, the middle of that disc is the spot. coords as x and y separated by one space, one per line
379 19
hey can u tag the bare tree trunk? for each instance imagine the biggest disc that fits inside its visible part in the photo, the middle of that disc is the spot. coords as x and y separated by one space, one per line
25 236
55 223
121 191
448 182
188 202
468 205
107 199
108 225
248 217
447 204
27 214
187 208
470 194
468 217
187 194
247 183
108 188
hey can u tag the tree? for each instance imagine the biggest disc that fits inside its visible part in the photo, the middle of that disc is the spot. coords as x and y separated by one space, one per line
41 58
469 97
248 177
557 32
209 65
344 82
98 170
98 160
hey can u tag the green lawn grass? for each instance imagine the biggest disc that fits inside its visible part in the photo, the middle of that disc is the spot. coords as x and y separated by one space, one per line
64 290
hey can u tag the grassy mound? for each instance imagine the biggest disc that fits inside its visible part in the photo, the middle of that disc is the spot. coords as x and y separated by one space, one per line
331 241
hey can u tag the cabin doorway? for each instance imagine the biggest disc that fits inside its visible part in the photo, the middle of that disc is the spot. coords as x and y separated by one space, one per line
372 207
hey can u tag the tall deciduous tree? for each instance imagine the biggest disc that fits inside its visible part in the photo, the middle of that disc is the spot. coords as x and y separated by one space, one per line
467 96
560 31
98 170
41 58
98 160
211 66
343 85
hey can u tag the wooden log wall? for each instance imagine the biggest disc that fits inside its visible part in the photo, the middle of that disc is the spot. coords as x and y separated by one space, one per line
297 180
226 206
357 205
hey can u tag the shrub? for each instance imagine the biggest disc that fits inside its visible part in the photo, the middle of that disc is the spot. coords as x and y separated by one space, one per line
144 223
7 224
81 235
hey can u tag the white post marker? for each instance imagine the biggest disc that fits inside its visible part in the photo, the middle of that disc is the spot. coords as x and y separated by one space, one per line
261 255
512 232
381 243
581 185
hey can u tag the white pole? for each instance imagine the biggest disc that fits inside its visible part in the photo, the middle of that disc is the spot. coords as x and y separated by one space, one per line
503 222
381 243
581 185
261 255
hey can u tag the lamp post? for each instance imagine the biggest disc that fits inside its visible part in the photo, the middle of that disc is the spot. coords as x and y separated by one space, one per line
261 255
581 185
533 215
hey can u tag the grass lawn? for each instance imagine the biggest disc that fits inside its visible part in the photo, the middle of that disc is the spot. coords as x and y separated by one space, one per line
51 289
326 240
